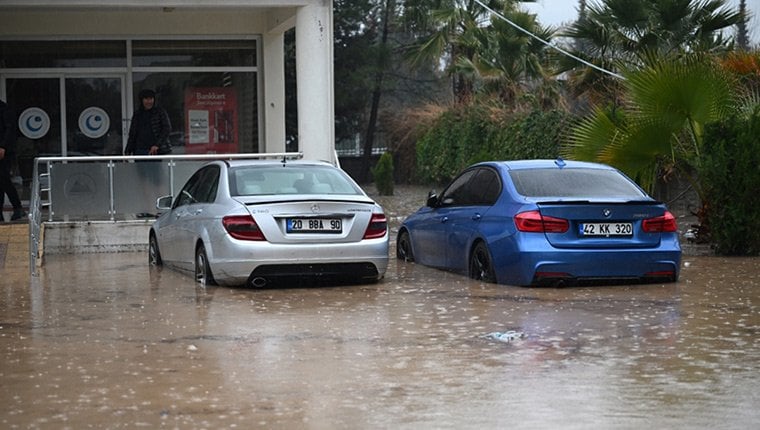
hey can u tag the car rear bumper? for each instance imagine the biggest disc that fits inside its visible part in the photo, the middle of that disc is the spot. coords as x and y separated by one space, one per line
592 265
363 261
300 274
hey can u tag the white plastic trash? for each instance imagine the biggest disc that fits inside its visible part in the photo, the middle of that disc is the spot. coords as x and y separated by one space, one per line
507 336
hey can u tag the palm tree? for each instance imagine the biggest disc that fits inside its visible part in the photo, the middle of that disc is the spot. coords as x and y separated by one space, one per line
636 28
452 36
622 34
506 60
742 35
660 128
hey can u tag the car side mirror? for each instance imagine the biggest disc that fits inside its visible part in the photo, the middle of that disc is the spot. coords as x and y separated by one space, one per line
164 203
432 199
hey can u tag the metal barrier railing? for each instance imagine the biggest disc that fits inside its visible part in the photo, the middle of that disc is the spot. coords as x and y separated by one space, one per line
109 187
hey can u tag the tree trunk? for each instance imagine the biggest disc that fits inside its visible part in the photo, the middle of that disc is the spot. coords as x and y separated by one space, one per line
369 139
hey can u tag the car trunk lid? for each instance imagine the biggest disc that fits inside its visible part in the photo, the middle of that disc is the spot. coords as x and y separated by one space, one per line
294 220
603 224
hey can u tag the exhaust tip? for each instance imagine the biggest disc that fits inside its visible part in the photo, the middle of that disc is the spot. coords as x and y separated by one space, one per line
259 282
553 279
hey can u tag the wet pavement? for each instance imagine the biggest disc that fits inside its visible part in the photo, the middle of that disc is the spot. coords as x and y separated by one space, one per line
103 341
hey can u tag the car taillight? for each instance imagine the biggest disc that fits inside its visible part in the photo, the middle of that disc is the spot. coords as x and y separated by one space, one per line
242 227
661 224
534 222
377 227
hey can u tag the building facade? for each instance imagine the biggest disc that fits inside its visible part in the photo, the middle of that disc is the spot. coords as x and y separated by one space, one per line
72 70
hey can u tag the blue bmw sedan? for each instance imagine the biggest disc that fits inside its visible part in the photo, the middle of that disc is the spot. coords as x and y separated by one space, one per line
544 222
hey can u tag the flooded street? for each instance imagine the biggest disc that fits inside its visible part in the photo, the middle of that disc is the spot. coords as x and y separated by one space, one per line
103 341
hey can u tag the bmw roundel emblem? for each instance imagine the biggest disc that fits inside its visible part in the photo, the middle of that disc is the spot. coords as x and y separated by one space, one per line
94 122
606 213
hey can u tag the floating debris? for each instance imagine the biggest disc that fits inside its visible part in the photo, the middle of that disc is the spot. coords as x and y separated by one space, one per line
507 336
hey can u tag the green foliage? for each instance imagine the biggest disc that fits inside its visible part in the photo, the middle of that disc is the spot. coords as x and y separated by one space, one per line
383 174
448 146
531 135
731 179
466 135
661 127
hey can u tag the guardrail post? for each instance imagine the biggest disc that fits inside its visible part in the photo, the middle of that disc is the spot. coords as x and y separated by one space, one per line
172 163
112 208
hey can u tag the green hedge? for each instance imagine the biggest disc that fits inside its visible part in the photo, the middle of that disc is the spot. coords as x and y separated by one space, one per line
730 175
382 173
463 136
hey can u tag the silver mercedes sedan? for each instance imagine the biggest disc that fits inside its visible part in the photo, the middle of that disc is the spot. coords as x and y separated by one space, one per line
255 222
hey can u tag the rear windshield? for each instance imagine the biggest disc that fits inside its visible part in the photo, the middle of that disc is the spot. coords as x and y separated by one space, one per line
289 179
575 183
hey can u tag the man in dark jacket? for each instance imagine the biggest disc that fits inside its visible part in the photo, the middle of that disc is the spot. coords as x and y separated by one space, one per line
7 150
150 128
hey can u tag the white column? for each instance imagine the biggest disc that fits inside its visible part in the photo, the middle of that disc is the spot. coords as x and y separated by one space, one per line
274 93
314 74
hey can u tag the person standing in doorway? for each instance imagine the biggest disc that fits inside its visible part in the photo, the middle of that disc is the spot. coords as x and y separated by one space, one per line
150 128
149 135
7 151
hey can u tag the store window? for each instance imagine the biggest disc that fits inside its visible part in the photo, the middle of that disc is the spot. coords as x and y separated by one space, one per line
210 112
213 109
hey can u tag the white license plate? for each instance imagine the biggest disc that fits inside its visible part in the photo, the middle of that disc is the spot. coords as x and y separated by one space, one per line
314 225
606 229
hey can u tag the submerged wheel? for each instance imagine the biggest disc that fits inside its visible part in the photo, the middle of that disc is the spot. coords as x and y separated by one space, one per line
481 267
154 255
404 247
202 269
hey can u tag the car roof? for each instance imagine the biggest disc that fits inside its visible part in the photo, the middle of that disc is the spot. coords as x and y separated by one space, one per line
543 164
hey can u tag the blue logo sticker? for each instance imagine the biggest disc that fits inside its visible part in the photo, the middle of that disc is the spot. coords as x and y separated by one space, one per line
34 123
94 122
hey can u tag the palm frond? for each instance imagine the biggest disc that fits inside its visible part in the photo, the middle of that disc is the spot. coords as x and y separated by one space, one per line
680 92
591 136
430 50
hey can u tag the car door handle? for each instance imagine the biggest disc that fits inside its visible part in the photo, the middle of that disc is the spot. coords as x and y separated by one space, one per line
476 217
198 211
444 219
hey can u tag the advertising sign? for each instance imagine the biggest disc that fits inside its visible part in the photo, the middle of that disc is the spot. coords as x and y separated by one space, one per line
211 122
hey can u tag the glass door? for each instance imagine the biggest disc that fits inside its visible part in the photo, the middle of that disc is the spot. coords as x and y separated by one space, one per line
90 122
36 102
94 115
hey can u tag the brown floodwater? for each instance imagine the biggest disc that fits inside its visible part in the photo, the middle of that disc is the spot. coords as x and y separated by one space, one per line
106 342
103 341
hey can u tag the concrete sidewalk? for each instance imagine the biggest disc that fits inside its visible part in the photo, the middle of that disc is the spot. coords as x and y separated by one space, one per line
14 247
